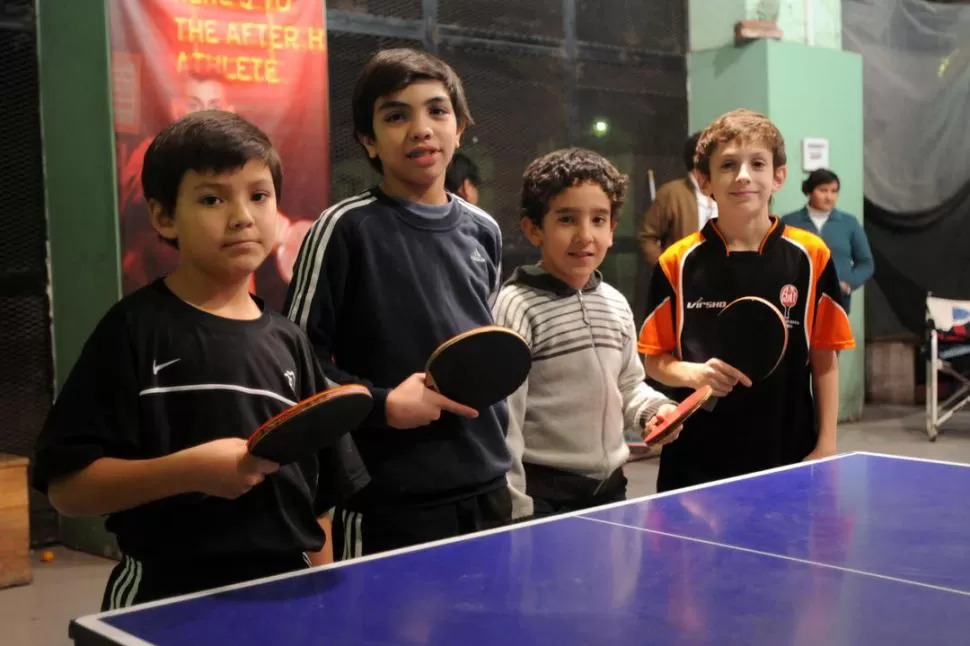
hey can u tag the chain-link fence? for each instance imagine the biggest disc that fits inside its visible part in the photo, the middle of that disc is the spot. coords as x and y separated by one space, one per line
26 371
609 75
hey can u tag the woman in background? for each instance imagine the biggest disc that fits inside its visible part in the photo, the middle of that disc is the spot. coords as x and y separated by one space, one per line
840 231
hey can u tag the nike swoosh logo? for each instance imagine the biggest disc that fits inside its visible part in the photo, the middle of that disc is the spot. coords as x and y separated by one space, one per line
156 367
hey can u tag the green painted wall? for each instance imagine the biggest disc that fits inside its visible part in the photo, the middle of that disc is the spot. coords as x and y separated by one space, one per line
721 80
803 83
79 165
826 21
712 21
807 92
799 114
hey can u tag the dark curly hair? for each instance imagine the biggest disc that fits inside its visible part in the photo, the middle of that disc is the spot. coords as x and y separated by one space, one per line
551 174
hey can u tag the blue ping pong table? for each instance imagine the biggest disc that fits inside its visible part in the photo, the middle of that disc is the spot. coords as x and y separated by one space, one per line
856 549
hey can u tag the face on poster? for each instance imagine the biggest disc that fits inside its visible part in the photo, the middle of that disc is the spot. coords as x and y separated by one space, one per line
263 59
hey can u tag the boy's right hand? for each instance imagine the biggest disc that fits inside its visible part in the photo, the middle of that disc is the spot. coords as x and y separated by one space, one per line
224 468
413 404
720 376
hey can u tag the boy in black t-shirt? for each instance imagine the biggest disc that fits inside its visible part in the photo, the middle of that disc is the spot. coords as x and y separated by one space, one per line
381 280
150 426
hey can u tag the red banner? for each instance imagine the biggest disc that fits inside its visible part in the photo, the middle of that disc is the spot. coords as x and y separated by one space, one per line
263 59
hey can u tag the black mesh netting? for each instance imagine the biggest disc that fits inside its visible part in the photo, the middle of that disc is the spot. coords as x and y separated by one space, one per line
498 19
629 119
635 116
652 25
517 103
26 373
406 9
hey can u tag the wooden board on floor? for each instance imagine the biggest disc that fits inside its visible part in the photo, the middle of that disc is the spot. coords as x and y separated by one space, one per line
14 522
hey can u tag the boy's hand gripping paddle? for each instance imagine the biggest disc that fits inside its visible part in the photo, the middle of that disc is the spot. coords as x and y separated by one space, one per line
480 367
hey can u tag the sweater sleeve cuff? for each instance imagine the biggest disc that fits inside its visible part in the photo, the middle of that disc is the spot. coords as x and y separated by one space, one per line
377 418
650 409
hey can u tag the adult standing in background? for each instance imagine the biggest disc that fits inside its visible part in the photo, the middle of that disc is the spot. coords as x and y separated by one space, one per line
462 178
679 210
841 231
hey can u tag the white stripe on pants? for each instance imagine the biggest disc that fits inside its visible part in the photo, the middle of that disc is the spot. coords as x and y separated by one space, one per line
353 541
125 587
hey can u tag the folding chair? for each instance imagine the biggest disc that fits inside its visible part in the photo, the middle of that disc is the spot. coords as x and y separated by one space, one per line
948 339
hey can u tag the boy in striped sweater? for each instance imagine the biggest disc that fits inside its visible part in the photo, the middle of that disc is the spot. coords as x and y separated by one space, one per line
567 421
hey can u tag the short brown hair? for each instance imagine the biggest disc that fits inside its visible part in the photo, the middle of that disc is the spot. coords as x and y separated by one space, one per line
392 70
553 173
748 126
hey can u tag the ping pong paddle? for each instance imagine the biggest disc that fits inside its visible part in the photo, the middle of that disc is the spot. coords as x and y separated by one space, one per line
311 425
685 409
480 367
752 336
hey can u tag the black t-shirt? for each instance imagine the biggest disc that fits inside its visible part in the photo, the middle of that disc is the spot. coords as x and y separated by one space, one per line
157 376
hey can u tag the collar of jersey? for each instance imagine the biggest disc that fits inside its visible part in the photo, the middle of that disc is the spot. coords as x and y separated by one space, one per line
711 234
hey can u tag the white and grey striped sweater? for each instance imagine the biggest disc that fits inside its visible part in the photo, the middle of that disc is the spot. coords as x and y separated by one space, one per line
586 385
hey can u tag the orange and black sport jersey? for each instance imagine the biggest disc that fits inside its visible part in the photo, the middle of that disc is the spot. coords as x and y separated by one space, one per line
773 422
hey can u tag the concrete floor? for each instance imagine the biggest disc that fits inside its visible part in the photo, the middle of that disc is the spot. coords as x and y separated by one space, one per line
71 585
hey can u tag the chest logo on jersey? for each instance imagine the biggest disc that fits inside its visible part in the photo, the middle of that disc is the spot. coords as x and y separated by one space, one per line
158 367
701 304
291 379
788 297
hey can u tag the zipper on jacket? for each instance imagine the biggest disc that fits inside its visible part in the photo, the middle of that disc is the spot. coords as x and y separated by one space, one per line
606 394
